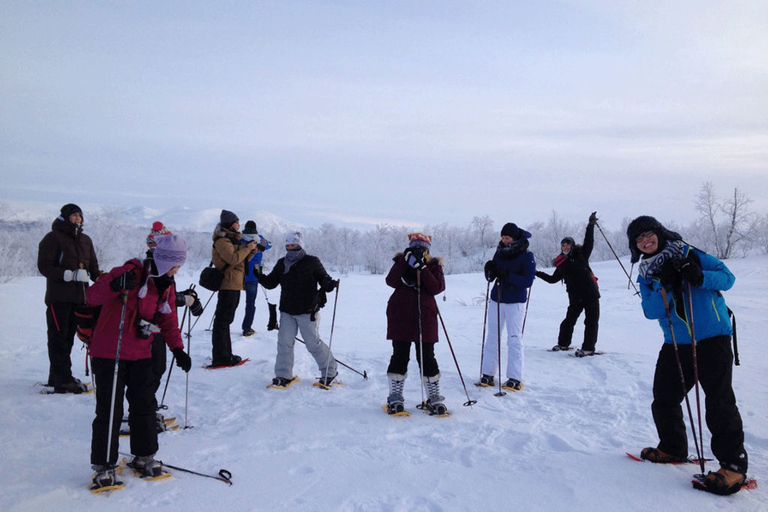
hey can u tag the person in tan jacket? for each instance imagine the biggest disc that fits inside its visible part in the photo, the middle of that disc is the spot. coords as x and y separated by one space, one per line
230 256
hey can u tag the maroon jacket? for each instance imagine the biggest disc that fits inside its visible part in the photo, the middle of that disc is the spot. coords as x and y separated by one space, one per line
402 310
132 347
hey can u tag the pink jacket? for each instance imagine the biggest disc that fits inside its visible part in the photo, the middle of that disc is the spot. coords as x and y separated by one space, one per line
133 347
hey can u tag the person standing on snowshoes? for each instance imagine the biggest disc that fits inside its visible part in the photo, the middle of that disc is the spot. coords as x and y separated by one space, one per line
229 255
68 261
572 266
512 268
134 305
681 287
299 275
414 275
250 233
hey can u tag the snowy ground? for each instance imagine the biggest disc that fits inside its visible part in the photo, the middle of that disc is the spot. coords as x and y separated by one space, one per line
558 445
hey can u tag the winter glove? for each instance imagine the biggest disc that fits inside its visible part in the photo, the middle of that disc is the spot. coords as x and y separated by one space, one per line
669 274
490 270
80 275
189 298
415 257
332 284
183 360
409 278
593 218
501 274
126 281
692 273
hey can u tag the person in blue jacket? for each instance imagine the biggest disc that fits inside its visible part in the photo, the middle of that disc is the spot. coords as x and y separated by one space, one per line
513 270
251 281
681 287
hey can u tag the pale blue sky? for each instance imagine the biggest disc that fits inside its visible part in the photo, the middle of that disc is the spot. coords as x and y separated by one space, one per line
370 112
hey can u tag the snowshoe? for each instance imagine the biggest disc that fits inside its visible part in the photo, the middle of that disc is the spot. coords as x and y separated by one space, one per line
105 480
147 468
486 381
724 482
436 409
513 385
583 353
657 456
560 348
248 332
282 383
325 382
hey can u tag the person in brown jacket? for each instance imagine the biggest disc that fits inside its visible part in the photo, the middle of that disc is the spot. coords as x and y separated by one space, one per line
230 256
68 261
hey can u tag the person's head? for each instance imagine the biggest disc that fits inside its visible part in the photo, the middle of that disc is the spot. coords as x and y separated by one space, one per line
250 231
158 230
72 213
294 241
566 244
229 220
510 233
420 240
170 254
647 236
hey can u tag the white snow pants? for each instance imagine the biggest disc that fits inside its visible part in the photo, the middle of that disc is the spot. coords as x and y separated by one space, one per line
512 316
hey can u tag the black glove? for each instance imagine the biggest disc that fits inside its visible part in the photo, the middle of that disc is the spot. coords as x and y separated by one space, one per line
182 359
409 278
692 273
669 274
415 257
126 281
332 284
490 270
593 218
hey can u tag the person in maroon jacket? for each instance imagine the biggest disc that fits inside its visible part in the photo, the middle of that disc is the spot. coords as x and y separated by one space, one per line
414 275
134 305
68 261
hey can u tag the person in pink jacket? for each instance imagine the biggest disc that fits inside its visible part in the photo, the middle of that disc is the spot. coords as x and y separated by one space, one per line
134 306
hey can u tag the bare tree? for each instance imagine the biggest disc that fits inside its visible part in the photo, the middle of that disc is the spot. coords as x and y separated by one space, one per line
738 224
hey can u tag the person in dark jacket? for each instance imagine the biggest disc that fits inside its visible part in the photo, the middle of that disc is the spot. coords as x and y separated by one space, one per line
134 305
572 266
67 259
230 255
412 318
681 287
299 275
512 268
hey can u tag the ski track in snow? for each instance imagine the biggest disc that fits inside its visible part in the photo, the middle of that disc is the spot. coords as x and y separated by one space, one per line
557 445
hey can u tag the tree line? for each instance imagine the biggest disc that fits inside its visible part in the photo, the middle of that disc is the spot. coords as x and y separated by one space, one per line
726 227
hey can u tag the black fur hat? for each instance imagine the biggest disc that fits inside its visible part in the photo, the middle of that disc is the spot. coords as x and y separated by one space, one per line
643 224
70 209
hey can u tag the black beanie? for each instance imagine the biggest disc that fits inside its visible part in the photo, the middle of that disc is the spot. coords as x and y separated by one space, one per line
69 209
511 229
250 228
643 224
568 240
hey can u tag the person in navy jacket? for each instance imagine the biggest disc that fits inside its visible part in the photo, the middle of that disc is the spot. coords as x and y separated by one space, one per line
513 270
681 287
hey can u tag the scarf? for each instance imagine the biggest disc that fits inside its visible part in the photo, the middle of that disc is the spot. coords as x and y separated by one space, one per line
512 250
651 265
292 257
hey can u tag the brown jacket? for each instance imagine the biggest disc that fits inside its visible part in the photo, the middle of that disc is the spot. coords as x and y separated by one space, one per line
228 250
64 248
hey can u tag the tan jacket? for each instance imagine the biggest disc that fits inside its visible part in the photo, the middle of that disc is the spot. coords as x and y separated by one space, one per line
228 250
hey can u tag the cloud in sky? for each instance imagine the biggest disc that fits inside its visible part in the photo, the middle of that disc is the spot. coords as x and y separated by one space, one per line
414 112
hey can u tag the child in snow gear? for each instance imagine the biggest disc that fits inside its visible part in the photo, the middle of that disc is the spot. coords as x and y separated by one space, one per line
230 255
512 268
680 287
250 233
122 353
412 318
68 261
572 266
299 275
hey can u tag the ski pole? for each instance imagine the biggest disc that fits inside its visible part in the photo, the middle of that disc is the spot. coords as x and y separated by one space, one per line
333 322
699 453
525 316
223 476
696 377
173 359
469 402
485 321
498 333
364 374
204 308
186 392
114 376
637 292
421 343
